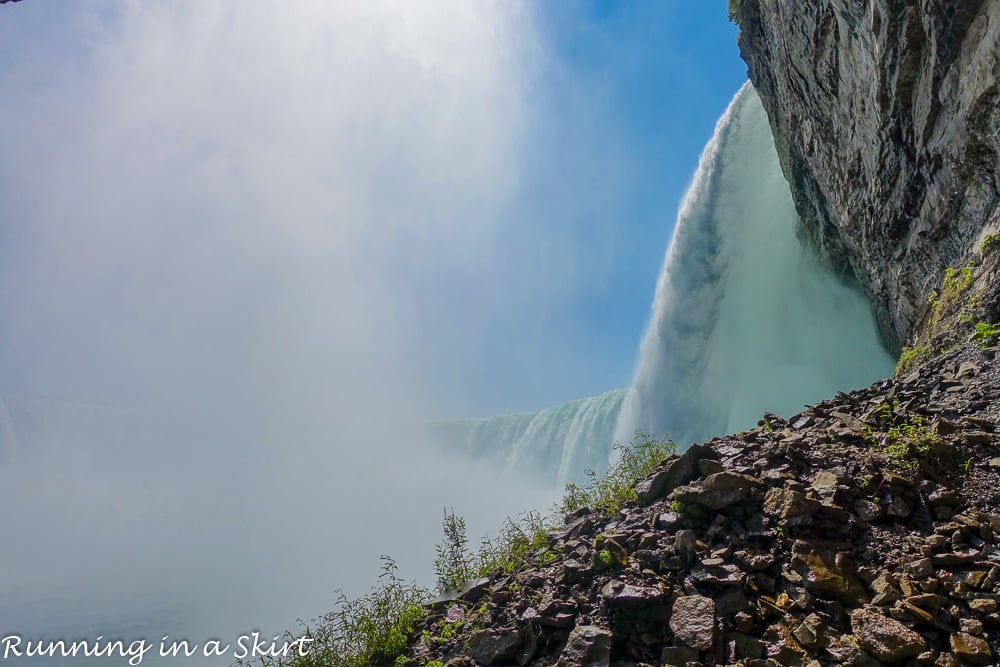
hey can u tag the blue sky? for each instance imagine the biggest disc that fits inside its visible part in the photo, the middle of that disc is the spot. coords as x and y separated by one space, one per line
662 73
526 232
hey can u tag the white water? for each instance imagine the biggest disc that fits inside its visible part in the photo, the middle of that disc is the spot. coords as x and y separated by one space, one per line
745 318
564 440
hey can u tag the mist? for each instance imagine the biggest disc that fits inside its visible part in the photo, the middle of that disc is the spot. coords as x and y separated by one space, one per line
243 250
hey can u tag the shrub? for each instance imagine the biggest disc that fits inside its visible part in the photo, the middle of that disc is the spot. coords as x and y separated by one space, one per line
733 12
612 491
986 334
372 629
453 563
910 358
905 443
516 540
607 493
990 243
958 280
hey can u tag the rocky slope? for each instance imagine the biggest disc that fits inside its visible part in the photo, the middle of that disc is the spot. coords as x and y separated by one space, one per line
861 531
885 115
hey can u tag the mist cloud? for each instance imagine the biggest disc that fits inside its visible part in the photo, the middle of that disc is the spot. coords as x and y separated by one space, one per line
261 232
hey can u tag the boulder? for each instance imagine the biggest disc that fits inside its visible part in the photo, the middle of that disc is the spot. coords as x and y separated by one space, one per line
676 472
885 638
717 491
587 646
692 620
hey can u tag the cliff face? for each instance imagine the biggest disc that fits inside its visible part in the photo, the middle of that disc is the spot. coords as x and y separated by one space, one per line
885 115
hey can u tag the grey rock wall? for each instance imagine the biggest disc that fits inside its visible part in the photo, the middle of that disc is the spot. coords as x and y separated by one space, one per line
885 117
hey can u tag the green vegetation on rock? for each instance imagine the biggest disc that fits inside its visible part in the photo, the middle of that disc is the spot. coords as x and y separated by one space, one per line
986 334
374 628
990 243
950 321
610 492
371 629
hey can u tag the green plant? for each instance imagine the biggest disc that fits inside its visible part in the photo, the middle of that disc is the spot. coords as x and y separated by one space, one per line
990 243
515 541
358 633
733 12
986 334
910 358
958 280
967 466
677 506
453 564
616 488
605 557
905 443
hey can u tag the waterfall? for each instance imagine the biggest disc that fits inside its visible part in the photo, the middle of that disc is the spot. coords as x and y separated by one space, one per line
745 317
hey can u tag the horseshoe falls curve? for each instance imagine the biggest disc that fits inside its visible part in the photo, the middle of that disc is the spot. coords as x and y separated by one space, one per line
745 319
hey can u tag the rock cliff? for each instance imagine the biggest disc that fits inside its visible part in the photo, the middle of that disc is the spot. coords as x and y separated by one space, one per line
885 115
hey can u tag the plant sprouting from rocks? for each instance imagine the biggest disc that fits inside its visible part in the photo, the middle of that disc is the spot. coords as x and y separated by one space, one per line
371 629
986 334
616 488
990 243
453 563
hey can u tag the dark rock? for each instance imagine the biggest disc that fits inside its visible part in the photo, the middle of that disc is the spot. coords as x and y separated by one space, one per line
674 473
631 597
823 571
971 649
886 639
587 646
678 655
789 504
579 526
717 491
693 621
489 647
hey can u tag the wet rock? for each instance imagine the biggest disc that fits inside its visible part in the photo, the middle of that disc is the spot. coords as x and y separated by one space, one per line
867 510
717 491
678 655
692 621
824 572
971 649
587 646
885 638
753 562
674 473
787 504
579 526
810 630
922 568
631 597
825 484
490 647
